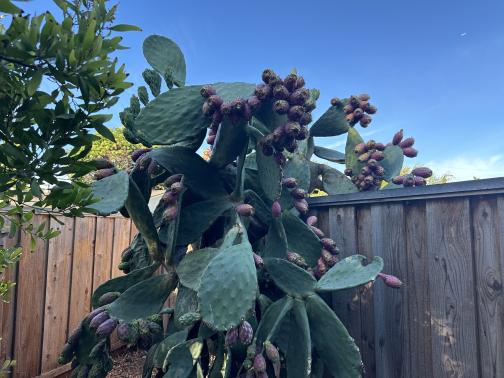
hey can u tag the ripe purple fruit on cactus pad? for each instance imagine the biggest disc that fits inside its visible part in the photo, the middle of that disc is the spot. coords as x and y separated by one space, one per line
207 91
106 172
245 210
246 333
106 328
289 182
276 209
258 260
410 152
422 172
259 364
231 336
98 320
311 220
318 232
137 153
301 205
391 281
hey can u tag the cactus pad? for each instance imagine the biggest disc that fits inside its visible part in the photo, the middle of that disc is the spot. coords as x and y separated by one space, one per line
270 175
351 161
301 238
290 278
276 240
231 91
181 359
335 182
230 141
165 57
393 162
331 123
329 154
111 192
187 301
167 344
299 346
193 265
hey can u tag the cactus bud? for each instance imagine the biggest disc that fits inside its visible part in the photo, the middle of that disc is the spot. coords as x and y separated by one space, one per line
398 137
303 133
269 76
336 102
297 259
176 187
317 232
254 102
311 220
370 109
360 148
330 245
170 213
348 172
106 328
188 319
98 320
358 113
408 142
124 332
300 82
246 333
377 155
422 172
364 97
301 205
102 173
365 120
398 180
290 82
281 107
289 182
410 152
258 260
391 281
108 298
295 113
259 364
298 193
207 91
245 210
231 337
280 92
309 105
271 352
348 109
276 209
420 181
305 119
262 91
329 258
379 170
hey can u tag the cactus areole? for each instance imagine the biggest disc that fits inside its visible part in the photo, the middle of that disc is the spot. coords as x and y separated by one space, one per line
233 235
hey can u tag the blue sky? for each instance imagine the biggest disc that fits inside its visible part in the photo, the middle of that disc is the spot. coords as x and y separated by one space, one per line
434 68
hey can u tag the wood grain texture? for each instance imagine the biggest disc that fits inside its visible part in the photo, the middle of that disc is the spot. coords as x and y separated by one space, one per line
57 293
367 338
488 250
390 305
451 285
82 270
104 245
122 231
30 304
417 287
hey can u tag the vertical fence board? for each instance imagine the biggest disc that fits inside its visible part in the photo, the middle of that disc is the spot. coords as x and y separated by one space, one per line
454 344
417 286
59 265
82 269
30 304
367 346
391 311
122 230
346 303
104 244
490 301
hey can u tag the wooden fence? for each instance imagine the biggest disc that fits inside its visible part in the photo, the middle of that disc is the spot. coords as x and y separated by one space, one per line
54 288
446 242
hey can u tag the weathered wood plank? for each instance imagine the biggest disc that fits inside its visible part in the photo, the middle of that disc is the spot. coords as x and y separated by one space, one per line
417 287
30 304
488 249
122 230
59 267
451 284
104 245
367 343
82 270
390 306
346 303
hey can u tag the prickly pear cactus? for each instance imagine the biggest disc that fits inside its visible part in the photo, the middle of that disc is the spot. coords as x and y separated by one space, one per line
232 236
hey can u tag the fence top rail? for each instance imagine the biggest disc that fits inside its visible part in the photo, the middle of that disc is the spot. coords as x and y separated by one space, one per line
455 189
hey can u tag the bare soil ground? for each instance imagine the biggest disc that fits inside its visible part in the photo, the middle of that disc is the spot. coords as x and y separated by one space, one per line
128 363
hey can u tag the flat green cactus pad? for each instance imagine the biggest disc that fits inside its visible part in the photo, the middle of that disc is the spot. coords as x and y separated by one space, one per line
193 265
350 272
181 359
329 154
187 301
331 123
230 141
167 344
232 91
351 160
335 182
165 57
290 278
270 175
112 193
392 162
299 347
228 287
273 318
301 238
276 240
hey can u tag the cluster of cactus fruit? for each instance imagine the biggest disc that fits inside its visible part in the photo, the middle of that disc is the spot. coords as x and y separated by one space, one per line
232 236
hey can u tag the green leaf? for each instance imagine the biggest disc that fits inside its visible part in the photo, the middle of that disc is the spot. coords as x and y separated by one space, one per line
34 83
167 344
335 182
351 160
111 192
193 265
331 340
165 56
143 299
350 272
125 28
290 278
229 142
392 162
331 123
299 349
301 239
329 154
174 117
276 240
228 287
7 7
105 132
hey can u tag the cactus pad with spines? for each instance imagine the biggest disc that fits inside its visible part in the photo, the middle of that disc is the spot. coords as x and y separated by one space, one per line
331 123
290 278
165 57
111 193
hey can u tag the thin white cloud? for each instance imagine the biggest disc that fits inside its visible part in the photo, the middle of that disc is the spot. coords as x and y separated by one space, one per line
465 168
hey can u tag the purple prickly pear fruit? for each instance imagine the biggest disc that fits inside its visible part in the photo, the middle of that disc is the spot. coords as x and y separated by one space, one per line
292 128
108 298
269 76
300 82
354 101
231 336
246 333
262 91
364 157
305 119
278 133
410 152
317 232
329 258
280 92
303 133
281 106
137 153
280 158
259 364
297 259
365 120
271 352
169 198
94 313
207 91
348 172
173 179
358 113
309 105
377 180
379 170
370 109
420 181
336 102
170 214
301 206
298 193
289 182
98 319
276 209
398 137
247 111
238 106
143 162
106 328
258 260
254 102
372 163
267 149
151 169
214 102
225 109
371 144
380 146
354 179
123 332
299 96
360 177
176 187
102 173
391 281
364 97
103 163
350 118
409 180
321 266
360 148
330 245
377 155
348 109
422 172
408 142
207 109
369 179
295 113
245 210
311 220
290 82
366 170
398 180
291 145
